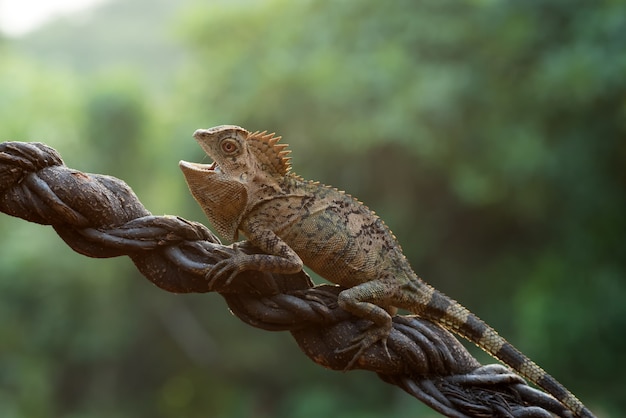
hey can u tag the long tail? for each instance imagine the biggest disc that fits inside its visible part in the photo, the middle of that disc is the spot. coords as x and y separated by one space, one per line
456 318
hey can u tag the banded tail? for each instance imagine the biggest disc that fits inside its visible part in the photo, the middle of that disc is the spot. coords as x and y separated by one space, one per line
453 316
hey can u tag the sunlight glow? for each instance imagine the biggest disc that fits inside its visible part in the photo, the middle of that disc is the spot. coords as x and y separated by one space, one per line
18 17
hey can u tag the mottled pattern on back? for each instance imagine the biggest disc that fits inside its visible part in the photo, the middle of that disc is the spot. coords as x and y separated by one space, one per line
304 215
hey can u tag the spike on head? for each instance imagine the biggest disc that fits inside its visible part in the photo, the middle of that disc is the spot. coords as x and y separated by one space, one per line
271 155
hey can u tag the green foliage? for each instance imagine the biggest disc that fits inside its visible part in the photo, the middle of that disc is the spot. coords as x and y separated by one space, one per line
25 93
488 134
114 125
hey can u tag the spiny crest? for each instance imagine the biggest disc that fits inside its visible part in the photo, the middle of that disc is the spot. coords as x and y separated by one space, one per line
271 155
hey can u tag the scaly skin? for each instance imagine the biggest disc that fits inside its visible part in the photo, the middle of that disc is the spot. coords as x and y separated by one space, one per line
296 222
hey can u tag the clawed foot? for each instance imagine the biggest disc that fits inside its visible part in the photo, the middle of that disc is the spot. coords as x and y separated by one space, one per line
227 268
368 338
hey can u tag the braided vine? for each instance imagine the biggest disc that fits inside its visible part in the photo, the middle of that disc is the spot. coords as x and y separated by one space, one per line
100 216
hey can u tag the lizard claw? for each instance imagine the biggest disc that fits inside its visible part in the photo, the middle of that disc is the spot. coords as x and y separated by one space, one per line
367 339
229 267
224 268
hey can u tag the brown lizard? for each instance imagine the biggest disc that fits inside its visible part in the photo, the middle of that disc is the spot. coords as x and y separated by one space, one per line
250 188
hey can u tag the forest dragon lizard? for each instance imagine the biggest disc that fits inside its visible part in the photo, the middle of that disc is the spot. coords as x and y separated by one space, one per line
250 188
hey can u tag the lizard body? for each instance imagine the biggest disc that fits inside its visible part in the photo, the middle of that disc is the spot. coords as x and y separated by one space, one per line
249 188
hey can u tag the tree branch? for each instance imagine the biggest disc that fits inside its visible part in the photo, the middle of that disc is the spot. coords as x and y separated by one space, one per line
100 216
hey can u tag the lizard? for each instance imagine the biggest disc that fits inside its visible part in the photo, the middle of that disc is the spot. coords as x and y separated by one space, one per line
250 188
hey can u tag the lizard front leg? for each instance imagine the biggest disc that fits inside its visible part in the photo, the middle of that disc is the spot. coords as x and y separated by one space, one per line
366 301
280 258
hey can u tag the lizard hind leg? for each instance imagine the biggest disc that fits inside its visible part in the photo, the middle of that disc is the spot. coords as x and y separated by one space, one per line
365 301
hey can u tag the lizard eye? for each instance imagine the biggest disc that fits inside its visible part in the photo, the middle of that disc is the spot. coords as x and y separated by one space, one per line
229 146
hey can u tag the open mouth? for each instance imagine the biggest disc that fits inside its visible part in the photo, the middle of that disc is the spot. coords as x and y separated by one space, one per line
213 167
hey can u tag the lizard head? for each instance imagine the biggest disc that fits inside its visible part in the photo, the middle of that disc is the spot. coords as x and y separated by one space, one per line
243 155
242 161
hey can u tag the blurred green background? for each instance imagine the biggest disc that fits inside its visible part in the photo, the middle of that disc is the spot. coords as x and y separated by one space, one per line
489 134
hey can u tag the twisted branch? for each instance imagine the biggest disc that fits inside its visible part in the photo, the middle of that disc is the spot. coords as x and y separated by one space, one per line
100 216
